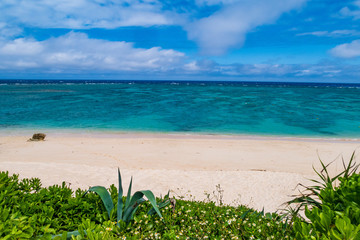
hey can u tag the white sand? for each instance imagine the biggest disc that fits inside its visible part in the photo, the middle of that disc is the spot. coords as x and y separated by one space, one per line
258 172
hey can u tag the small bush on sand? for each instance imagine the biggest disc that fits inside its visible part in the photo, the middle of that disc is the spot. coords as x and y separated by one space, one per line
332 212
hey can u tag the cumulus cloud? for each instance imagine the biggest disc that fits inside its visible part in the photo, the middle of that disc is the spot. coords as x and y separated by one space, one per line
82 14
228 27
75 52
222 27
347 50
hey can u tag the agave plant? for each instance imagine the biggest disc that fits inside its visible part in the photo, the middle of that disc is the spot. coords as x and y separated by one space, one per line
125 212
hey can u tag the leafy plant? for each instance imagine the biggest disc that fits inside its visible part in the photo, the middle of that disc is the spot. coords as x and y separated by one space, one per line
28 211
14 226
312 195
126 212
333 212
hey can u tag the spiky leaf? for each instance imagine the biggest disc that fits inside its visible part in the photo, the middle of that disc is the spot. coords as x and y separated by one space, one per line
105 197
119 210
128 197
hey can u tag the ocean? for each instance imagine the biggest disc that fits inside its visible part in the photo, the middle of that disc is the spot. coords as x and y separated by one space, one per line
241 108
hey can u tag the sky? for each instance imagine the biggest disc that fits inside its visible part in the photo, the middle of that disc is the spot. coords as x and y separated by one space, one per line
243 40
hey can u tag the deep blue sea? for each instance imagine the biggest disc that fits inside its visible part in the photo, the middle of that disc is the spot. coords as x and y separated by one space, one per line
280 109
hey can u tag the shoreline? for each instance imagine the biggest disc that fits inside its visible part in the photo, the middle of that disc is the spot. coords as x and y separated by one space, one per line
185 151
107 133
263 171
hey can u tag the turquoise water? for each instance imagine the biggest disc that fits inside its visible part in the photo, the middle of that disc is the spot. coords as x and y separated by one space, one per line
212 108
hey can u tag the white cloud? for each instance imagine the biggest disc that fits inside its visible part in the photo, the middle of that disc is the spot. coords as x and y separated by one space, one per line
8 31
266 69
80 14
215 34
347 50
315 33
335 33
345 32
214 2
204 65
21 47
276 71
77 52
228 27
352 11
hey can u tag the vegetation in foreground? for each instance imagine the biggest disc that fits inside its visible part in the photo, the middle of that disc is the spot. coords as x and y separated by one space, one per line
332 212
28 211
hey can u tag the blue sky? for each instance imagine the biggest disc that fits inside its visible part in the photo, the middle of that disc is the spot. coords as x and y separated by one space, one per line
247 40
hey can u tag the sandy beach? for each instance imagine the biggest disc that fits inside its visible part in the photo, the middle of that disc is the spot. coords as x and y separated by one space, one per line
254 171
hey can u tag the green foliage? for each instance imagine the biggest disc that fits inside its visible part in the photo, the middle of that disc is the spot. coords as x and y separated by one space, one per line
37 211
14 226
193 220
126 213
333 212
28 211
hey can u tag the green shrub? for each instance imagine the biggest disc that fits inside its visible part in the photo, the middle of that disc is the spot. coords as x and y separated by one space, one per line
14 226
29 211
46 210
333 212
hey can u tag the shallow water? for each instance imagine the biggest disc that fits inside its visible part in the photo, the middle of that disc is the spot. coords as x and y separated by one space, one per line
198 107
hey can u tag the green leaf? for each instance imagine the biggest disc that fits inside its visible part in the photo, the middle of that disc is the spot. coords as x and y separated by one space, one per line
335 235
161 204
135 201
150 196
325 221
346 228
120 200
130 211
105 197
244 214
135 207
128 197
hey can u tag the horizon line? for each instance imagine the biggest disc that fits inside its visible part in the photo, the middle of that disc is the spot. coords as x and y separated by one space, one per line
35 81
